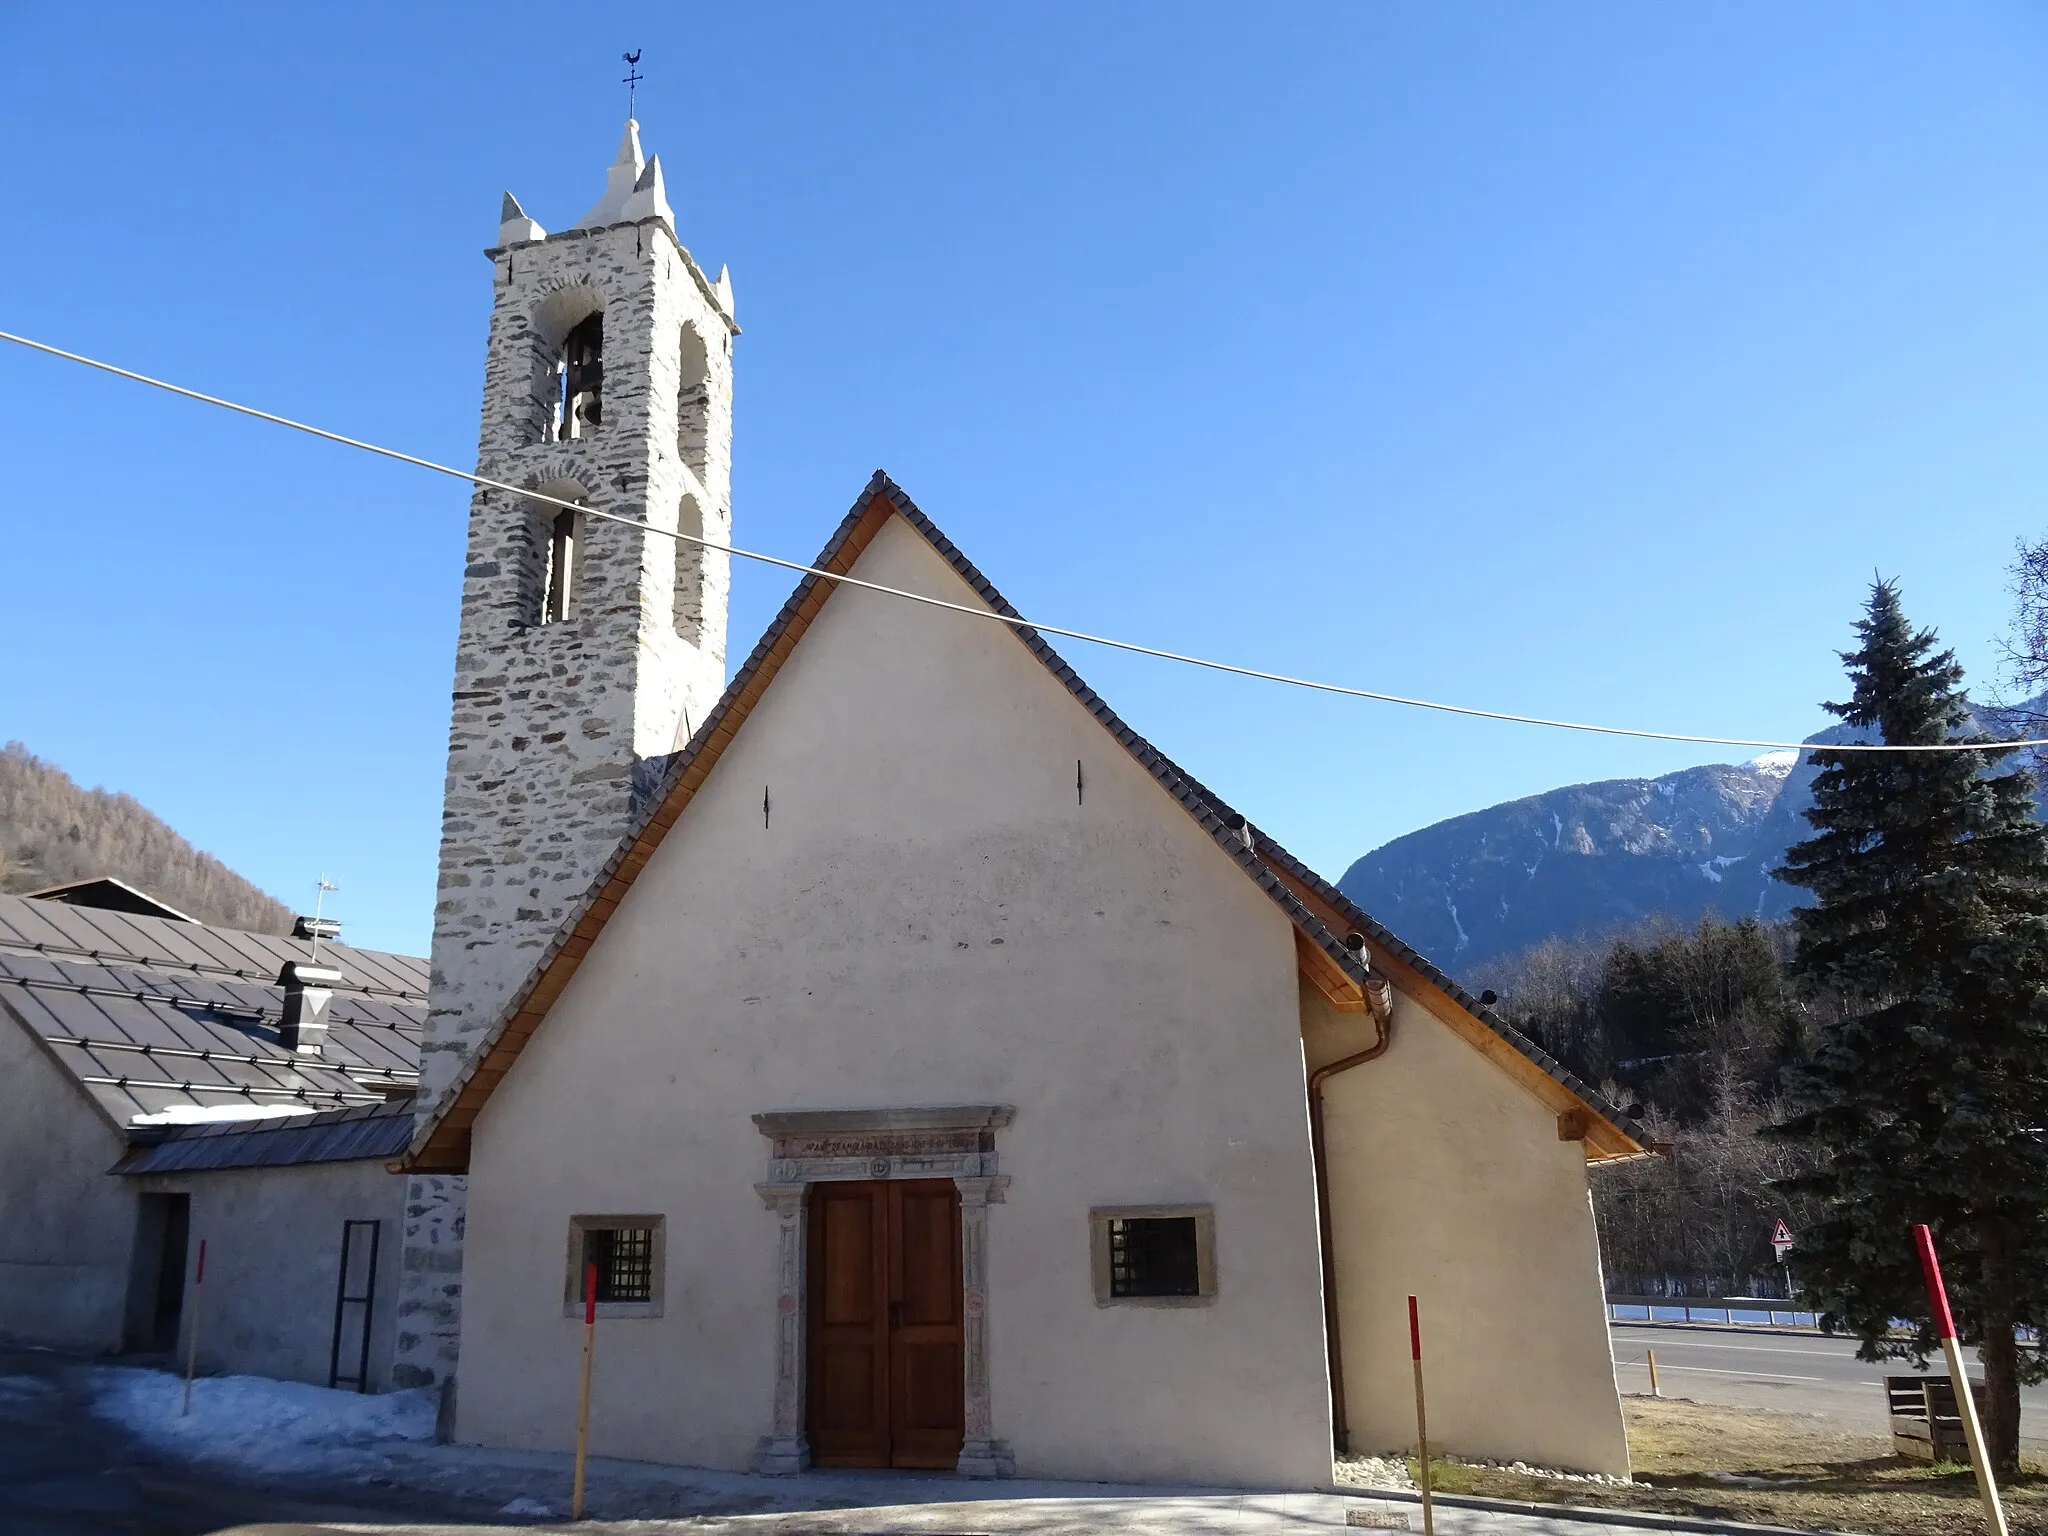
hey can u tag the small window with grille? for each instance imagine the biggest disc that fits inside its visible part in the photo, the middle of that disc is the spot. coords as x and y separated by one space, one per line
625 1252
1153 1255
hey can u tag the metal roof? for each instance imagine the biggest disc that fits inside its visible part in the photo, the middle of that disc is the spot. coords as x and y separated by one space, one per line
61 931
148 1015
111 895
339 1136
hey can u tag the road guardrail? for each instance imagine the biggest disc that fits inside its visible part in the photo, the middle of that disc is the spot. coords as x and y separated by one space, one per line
1729 1311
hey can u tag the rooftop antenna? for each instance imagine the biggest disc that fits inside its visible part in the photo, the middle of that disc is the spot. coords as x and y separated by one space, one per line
633 77
324 885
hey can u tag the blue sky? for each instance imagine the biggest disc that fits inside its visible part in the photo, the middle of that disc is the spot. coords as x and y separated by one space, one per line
1583 360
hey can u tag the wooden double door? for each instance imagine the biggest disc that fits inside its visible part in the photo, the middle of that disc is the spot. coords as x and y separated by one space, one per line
884 1336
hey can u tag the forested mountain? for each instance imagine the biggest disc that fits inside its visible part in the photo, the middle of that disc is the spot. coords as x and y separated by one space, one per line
52 832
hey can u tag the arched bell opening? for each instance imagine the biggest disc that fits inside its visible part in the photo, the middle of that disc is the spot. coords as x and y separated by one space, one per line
568 333
555 570
693 402
690 572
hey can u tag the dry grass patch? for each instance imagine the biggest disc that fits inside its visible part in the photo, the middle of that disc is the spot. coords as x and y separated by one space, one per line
1771 1469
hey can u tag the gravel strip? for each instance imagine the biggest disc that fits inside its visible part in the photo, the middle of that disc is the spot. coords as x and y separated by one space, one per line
1373 1472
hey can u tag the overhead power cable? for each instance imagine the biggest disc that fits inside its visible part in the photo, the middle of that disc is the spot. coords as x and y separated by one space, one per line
1014 621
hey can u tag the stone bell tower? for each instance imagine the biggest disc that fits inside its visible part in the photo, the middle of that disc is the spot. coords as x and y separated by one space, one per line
588 650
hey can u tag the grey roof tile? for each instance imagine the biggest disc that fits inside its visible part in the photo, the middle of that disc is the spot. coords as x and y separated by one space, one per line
139 1030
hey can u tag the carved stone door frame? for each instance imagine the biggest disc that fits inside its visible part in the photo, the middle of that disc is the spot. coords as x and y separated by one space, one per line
810 1146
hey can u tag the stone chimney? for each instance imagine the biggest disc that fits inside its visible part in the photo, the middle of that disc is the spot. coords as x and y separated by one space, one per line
308 989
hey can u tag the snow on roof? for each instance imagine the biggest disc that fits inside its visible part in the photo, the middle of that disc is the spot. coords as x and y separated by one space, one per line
216 1114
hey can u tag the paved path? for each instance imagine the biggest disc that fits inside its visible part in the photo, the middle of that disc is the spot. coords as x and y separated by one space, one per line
1793 1373
1056 1510
673 1501
63 1472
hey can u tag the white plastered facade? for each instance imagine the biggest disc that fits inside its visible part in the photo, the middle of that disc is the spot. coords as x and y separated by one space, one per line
66 1229
75 1275
890 893
1448 1182
273 1263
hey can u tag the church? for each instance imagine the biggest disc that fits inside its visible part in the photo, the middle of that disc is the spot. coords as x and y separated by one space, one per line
932 1072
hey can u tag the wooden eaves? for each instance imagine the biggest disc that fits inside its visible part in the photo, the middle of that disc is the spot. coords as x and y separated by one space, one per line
1321 917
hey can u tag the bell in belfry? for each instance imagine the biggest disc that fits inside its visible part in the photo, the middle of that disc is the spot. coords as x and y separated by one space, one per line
583 375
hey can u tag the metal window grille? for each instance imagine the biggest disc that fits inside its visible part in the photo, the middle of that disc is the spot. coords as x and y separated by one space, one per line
1153 1256
624 1257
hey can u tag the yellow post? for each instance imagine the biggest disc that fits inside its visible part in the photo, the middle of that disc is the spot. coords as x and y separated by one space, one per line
1973 1432
1422 1418
192 1339
1655 1390
1966 1400
583 1401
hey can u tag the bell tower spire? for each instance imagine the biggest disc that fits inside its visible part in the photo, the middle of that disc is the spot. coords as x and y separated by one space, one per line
587 650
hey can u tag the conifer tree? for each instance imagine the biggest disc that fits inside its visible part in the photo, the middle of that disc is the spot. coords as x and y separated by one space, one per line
1926 1095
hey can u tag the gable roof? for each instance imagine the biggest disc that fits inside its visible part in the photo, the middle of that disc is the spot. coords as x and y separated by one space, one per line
1320 914
150 1015
110 895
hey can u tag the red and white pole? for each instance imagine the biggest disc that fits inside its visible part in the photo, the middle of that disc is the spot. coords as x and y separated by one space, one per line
1422 1418
583 1402
1966 1400
192 1338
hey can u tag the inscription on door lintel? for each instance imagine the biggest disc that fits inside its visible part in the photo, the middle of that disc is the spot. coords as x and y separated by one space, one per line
871 1144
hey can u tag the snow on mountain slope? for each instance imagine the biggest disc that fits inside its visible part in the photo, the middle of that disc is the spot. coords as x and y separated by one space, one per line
1590 858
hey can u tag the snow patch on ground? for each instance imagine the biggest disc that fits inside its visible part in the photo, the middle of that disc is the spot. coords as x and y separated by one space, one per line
252 1421
1776 764
1464 938
219 1114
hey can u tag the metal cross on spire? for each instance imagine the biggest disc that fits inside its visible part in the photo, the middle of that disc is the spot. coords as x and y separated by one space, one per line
633 77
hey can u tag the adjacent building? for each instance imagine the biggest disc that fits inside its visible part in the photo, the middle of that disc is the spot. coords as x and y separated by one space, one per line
165 1083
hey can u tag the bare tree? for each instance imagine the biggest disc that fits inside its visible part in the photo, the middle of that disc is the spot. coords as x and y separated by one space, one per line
2026 647
1692 1024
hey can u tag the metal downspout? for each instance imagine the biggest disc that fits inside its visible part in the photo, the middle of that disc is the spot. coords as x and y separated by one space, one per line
1383 1018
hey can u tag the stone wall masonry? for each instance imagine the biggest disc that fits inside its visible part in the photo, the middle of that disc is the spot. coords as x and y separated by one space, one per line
550 721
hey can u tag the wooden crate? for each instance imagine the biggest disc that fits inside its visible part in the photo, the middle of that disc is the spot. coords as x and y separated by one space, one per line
1926 1424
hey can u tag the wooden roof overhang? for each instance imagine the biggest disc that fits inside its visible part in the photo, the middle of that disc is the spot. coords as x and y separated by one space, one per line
1321 917
1582 1114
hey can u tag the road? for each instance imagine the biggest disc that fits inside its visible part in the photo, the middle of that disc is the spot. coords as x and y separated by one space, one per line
1793 1373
